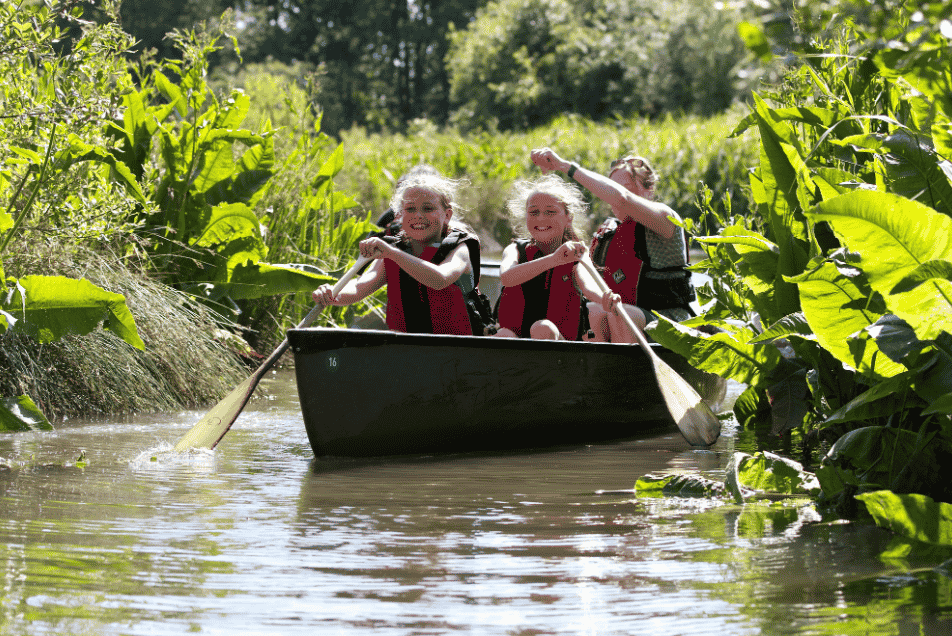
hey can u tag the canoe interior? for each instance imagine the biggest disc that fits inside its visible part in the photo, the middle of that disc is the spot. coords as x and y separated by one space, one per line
373 393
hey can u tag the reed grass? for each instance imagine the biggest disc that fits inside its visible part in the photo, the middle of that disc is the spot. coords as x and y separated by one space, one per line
687 152
187 361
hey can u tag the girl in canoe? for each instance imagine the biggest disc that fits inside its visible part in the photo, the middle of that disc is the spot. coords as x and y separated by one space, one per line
542 287
431 268
641 250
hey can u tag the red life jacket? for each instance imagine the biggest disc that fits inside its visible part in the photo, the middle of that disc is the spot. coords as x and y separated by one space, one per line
412 307
552 295
620 250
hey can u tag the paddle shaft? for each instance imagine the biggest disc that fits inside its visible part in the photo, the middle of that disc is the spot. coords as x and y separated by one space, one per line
586 262
212 428
311 315
694 418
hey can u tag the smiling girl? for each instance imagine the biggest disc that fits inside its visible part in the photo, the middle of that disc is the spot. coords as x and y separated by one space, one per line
641 249
542 287
431 269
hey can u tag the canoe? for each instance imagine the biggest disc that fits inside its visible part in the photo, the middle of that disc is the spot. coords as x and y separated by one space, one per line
369 392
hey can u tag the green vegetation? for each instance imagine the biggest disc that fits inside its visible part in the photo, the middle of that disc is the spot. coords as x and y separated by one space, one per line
834 299
522 63
156 169
686 152
477 64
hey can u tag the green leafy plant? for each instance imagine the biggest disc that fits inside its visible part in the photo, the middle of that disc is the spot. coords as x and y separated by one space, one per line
832 303
53 103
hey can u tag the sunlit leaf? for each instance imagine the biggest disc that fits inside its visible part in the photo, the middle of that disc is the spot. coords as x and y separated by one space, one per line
171 92
768 472
729 355
923 273
755 40
228 223
837 307
894 236
265 279
914 516
49 307
21 414
216 165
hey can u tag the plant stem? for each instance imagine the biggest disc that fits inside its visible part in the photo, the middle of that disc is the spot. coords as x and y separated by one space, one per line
21 217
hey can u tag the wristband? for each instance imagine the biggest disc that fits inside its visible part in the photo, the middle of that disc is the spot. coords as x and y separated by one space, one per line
571 171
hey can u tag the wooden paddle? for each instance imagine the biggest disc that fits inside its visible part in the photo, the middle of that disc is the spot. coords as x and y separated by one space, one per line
693 416
212 428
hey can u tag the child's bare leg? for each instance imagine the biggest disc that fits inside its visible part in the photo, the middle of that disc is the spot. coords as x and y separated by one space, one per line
544 330
598 322
618 326
503 332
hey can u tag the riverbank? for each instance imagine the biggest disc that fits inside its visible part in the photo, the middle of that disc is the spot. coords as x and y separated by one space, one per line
190 358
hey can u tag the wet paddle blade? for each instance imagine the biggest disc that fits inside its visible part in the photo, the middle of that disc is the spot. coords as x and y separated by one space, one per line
695 419
211 428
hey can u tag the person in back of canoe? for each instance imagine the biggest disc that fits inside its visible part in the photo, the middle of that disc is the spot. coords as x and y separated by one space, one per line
542 287
431 268
641 250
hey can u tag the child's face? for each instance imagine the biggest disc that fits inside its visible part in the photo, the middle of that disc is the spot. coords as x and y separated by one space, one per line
423 215
546 218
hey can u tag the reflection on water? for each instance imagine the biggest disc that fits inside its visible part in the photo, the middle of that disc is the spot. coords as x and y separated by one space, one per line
261 538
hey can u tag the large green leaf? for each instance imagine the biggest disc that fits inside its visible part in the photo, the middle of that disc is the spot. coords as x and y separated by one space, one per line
256 280
49 307
79 150
330 168
838 309
758 261
880 401
171 92
729 355
770 473
755 40
217 164
229 223
915 170
913 516
923 273
894 236
21 414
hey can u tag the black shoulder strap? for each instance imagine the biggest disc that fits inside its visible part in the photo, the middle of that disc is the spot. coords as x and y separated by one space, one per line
521 249
452 241
603 237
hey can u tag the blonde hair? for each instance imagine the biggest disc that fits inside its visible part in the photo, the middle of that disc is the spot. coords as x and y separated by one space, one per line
639 167
443 187
568 194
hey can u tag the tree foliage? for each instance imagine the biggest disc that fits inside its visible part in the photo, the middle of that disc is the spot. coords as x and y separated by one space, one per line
523 62
380 64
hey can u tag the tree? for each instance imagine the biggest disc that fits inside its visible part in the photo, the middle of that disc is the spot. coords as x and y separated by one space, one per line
522 62
381 63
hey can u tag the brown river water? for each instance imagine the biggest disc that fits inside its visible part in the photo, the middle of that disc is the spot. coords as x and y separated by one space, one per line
258 537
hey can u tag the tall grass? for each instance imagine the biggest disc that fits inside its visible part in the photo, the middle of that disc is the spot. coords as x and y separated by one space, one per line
687 152
188 360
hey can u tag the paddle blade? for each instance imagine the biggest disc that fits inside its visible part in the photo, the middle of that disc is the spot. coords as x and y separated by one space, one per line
694 417
211 428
